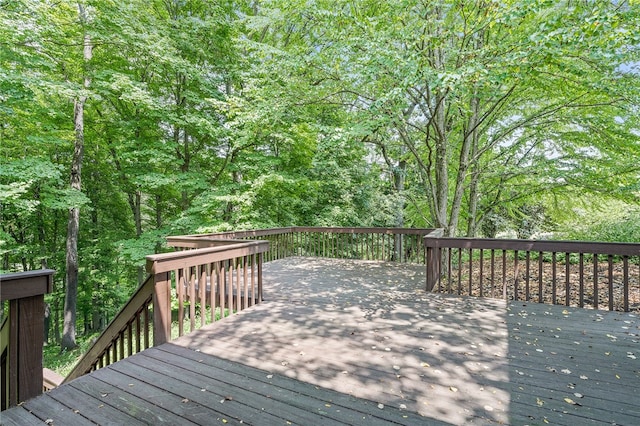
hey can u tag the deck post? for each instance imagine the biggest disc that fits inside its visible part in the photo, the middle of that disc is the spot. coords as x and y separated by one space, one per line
162 308
22 351
432 258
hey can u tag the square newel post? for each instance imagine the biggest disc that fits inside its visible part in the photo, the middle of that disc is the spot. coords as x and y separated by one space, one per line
161 298
23 364
162 308
432 257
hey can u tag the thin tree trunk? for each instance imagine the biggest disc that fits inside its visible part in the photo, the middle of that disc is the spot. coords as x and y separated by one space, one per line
463 164
472 224
441 167
71 292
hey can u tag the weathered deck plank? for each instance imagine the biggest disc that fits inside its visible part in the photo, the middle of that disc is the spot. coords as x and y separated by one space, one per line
376 335
336 340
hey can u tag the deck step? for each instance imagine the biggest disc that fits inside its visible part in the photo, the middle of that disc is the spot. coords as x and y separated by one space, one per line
50 379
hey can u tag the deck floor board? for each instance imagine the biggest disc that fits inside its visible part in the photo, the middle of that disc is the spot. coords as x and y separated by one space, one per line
359 342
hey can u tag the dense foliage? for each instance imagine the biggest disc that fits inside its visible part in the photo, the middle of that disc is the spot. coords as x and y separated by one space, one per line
477 117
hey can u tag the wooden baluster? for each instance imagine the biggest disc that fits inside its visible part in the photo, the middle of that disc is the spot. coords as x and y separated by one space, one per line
223 285
213 283
526 275
215 288
595 281
540 270
470 272
610 258
260 277
181 287
245 281
504 274
147 327
449 271
581 283
130 337
553 278
459 271
122 352
481 272
625 283
253 279
516 275
230 289
567 284
493 273
238 296
192 297
139 332
202 287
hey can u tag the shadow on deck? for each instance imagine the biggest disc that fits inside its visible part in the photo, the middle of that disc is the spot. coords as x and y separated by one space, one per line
357 342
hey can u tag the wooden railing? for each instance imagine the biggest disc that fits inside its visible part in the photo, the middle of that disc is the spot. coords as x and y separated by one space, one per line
572 273
128 333
383 244
194 287
215 281
22 334
213 275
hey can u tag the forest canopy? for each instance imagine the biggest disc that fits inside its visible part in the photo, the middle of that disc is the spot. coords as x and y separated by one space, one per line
122 122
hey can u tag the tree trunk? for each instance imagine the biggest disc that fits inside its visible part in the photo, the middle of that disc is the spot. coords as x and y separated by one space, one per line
463 164
71 292
472 224
442 166
399 174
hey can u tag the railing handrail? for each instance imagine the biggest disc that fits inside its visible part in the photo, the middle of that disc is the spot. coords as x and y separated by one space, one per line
557 246
137 301
200 242
166 262
290 229
18 285
239 234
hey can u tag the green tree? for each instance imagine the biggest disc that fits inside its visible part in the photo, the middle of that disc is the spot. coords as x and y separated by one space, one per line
469 96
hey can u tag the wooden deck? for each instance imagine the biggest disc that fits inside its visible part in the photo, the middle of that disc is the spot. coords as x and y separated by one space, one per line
356 342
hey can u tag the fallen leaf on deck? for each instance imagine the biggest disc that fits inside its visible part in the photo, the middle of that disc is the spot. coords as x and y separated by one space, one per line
571 401
539 402
453 389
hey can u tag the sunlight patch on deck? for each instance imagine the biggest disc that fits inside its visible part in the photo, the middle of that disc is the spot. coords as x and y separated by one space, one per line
368 329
